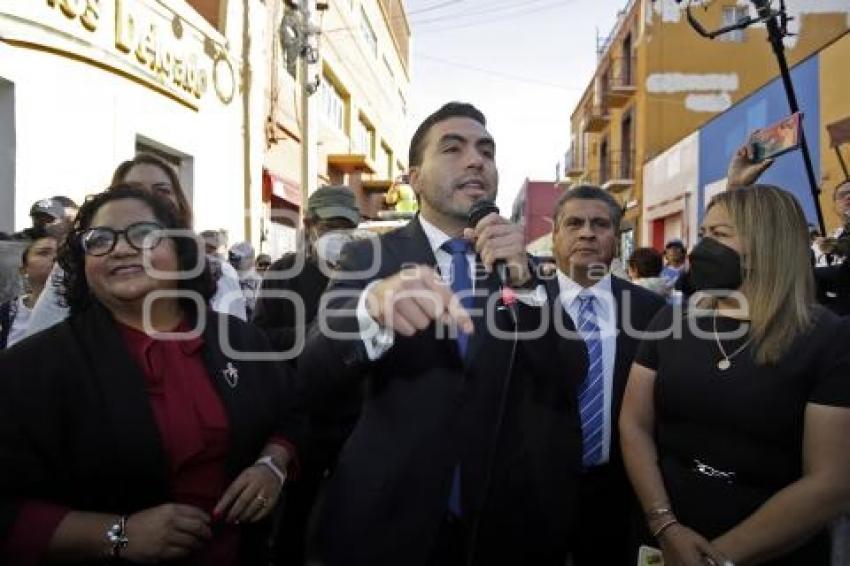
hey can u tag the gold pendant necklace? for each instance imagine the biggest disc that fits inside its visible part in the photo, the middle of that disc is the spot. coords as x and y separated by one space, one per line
726 363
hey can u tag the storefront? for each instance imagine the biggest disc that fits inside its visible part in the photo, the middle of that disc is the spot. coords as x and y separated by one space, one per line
670 184
85 84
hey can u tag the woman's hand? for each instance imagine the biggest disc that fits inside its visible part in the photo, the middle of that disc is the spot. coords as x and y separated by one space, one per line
683 547
165 532
251 496
743 170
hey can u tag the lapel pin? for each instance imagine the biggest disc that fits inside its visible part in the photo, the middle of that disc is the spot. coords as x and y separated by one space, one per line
231 375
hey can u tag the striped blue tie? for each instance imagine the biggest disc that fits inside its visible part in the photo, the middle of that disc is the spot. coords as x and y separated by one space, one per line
591 398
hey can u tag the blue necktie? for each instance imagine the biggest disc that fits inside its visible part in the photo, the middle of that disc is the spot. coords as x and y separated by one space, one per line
461 284
591 398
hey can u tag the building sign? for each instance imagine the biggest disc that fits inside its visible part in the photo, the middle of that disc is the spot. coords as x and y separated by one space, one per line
142 38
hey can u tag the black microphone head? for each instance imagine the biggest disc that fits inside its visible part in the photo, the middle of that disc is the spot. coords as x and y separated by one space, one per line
480 209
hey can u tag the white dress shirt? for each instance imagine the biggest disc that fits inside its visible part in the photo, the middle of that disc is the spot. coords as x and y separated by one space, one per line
379 340
606 318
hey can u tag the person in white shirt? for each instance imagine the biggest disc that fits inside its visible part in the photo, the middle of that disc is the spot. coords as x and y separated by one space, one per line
608 314
36 265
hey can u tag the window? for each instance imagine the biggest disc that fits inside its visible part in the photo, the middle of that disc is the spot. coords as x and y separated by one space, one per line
289 41
403 103
364 138
7 157
388 67
732 15
368 33
332 103
183 163
388 157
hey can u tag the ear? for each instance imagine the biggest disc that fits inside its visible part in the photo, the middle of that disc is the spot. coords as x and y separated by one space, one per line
414 175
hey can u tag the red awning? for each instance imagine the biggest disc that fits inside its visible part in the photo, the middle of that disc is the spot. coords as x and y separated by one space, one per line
281 187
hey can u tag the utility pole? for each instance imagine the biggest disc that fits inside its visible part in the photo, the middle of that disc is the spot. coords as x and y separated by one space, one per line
309 74
775 35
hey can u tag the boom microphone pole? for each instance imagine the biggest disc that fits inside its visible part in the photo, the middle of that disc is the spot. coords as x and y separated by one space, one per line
776 31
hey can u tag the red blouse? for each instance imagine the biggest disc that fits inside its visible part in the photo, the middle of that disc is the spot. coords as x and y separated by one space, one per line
193 426
194 430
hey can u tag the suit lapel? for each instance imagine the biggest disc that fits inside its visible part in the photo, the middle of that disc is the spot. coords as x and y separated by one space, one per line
620 359
409 245
138 446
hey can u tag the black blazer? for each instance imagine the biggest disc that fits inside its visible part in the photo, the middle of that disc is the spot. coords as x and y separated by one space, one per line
426 410
635 309
77 428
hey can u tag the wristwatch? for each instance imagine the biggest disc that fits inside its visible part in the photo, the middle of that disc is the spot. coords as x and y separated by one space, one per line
117 536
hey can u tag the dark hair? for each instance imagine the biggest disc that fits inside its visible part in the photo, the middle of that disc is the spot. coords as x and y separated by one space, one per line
65 201
675 244
647 262
184 209
33 235
75 291
449 110
590 192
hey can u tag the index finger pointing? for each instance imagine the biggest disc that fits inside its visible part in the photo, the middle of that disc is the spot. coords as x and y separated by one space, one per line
451 303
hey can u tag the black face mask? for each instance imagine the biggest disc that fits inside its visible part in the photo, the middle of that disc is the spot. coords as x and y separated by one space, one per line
714 267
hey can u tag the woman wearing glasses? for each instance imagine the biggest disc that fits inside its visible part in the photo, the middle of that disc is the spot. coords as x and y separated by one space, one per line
125 433
159 178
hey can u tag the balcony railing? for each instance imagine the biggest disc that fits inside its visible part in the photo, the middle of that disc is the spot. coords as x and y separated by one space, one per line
596 118
618 170
572 167
619 85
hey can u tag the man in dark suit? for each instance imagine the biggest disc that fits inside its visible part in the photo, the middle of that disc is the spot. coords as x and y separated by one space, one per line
303 276
467 449
608 313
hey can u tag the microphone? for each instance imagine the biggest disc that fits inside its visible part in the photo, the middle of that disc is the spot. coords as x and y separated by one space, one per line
479 210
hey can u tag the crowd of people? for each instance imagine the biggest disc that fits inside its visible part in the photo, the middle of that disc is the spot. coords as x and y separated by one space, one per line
428 396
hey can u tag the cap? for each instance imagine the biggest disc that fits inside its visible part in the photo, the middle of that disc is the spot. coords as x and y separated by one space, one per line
49 207
242 250
676 243
334 202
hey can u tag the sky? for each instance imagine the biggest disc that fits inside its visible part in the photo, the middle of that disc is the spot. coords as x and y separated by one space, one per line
524 63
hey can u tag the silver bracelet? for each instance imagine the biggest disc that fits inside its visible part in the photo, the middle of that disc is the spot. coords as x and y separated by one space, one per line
117 536
268 462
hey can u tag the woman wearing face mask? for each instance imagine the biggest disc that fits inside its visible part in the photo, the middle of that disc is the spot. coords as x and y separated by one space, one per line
734 427
158 177
36 265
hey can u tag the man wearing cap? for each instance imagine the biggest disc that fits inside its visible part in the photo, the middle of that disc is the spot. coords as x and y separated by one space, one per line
241 257
303 275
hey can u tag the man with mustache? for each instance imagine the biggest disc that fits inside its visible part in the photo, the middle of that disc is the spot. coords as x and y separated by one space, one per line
608 312
438 470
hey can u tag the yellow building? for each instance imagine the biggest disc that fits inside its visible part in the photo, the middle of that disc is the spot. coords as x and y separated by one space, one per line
657 82
362 85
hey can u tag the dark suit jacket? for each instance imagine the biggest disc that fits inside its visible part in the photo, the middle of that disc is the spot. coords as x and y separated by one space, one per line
607 499
78 430
636 307
426 410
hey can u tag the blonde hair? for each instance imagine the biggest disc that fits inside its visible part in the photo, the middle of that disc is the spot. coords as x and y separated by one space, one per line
776 263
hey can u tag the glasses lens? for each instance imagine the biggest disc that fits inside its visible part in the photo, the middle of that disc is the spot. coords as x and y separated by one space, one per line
98 241
144 235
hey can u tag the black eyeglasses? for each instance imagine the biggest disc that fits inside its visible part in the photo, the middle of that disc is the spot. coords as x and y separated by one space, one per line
141 236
